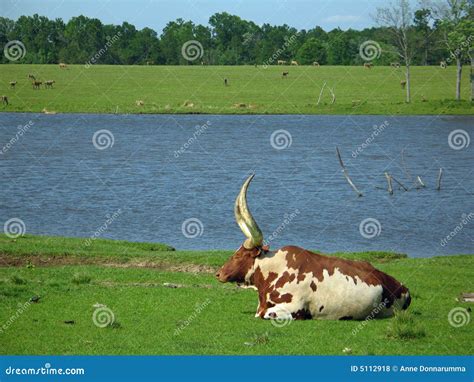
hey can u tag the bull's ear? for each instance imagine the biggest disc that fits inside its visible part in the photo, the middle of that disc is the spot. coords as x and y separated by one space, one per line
255 252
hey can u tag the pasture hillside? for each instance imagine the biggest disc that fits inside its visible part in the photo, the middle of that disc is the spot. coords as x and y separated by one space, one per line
249 89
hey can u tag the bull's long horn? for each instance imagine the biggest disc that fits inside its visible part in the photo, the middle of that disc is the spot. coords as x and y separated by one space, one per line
245 220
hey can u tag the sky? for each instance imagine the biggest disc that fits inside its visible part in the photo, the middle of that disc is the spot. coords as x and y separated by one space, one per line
302 14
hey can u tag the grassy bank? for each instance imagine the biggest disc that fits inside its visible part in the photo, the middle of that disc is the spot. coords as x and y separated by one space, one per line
251 90
166 301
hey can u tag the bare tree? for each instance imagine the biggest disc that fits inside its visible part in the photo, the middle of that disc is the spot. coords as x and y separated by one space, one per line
457 31
398 18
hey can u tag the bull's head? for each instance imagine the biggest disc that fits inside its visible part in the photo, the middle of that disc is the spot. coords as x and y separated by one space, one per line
238 266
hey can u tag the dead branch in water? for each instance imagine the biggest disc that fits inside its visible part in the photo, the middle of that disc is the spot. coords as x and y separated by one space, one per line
346 175
420 182
439 179
399 183
389 182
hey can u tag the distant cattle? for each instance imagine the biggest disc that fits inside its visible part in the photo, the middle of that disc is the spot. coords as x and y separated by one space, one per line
316 63
368 65
4 100
37 84
403 84
225 82
295 63
12 84
62 65
31 77
395 64
281 62
285 74
49 84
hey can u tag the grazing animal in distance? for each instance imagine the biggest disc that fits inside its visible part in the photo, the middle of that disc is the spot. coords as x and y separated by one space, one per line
62 65
49 84
368 65
294 283
285 74
12 84
225 82
294 63
45 111
395 65
403 83
281 62
139 102
316 63
4 100
31 77
37 84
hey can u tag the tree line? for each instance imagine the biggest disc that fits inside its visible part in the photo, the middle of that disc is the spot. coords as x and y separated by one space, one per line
230 40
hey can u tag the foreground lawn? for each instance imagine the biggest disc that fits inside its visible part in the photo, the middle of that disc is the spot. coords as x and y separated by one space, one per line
158 310
251 90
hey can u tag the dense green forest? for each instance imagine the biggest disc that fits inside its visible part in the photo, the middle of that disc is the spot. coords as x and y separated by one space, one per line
227 40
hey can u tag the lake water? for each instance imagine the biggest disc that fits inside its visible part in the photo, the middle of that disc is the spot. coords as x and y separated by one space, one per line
163 170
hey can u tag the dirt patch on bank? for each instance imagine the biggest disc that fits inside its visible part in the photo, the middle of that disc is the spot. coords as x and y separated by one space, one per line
7 260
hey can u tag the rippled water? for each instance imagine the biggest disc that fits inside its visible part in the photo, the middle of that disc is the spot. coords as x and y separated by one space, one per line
163 170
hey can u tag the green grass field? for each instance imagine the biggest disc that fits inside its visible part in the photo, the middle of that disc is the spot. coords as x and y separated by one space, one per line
200 315
251 90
